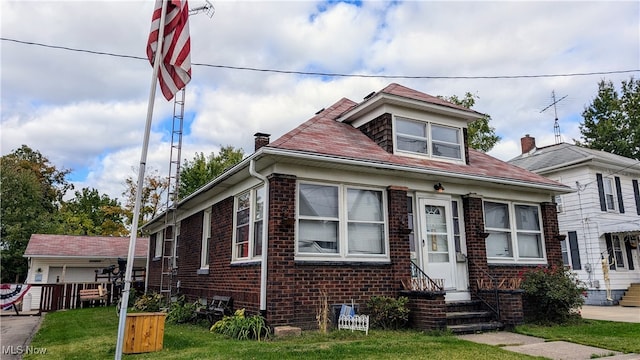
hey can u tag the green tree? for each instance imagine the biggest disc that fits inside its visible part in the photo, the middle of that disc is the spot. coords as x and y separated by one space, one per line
612 121
31 189
154 190
198 172
481 135
90 213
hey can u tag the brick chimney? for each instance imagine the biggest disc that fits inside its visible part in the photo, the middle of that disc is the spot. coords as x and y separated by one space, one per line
261 139
527 143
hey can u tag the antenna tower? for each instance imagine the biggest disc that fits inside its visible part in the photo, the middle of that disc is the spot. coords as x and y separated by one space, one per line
556 125
171 231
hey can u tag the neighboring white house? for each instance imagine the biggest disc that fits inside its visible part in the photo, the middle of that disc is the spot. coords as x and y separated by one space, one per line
73 259
601 219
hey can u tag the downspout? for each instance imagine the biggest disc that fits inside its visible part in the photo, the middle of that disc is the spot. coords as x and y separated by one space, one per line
265 229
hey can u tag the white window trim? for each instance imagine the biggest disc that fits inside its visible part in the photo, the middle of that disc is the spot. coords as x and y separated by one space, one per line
343 222
206 237
608 188
516 259
159 244
251 241
429 139
624 266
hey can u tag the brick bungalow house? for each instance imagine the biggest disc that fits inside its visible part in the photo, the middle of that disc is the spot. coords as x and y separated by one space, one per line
381 197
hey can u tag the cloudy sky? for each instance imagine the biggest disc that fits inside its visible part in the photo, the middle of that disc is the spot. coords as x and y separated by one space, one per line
86 112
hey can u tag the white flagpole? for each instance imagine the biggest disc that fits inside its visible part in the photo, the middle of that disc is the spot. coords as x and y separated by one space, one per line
136 210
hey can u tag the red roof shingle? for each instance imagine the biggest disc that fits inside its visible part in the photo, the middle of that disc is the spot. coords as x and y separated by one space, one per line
323 135
84 246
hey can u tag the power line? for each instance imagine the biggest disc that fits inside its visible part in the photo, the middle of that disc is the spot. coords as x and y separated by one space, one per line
307 73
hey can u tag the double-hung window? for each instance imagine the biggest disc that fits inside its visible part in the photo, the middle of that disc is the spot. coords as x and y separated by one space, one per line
206 238
425 138
514 232
248 223
159 244
339 221
608 194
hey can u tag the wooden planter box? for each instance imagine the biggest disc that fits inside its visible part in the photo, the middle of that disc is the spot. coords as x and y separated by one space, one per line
144 332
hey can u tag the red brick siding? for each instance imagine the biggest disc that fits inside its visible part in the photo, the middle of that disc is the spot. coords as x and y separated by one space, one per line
551 231
380 131
474 227
427 311
295 289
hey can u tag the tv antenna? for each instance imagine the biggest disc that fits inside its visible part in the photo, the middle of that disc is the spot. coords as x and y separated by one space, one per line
556 125
207 9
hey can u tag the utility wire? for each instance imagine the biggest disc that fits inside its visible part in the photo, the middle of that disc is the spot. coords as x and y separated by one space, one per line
278 71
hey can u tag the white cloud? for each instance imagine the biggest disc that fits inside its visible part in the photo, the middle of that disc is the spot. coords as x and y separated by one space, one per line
87 112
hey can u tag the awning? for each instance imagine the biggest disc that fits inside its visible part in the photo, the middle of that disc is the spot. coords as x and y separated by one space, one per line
621 227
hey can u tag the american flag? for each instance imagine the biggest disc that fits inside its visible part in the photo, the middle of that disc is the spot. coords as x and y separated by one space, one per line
175 69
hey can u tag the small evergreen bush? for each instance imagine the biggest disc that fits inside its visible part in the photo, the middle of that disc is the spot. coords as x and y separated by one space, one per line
387 312
551 294
240 327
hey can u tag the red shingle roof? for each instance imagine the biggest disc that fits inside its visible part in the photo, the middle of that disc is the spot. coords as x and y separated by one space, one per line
84 246
323 135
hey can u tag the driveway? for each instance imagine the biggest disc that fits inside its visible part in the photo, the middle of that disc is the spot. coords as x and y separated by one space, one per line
15 335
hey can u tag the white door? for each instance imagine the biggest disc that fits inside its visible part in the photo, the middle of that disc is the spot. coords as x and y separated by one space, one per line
438 248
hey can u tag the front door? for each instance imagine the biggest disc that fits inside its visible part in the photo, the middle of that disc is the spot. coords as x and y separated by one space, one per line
438 248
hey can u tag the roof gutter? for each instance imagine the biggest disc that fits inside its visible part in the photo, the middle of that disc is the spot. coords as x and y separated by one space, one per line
415 169
265 238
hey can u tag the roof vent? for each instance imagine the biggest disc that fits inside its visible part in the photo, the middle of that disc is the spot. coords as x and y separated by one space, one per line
370 95
319 111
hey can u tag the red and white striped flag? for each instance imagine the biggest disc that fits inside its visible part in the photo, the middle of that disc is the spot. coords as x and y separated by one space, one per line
175 70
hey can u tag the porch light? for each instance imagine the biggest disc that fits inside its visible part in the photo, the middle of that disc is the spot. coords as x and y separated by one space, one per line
438 187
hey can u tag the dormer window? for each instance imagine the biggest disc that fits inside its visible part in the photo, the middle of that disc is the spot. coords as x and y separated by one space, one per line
425 138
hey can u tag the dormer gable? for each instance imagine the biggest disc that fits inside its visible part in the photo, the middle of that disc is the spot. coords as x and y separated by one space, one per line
410 123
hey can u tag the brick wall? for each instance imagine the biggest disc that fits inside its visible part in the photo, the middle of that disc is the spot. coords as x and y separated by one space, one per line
427 310
380 131
295 289
551 231
474 228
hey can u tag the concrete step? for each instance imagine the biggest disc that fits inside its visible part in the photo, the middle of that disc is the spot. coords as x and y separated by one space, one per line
468 317
625 302
475 328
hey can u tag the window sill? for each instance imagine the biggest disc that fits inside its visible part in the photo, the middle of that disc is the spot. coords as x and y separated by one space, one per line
203 271
246 262
156 258
314 260
516 263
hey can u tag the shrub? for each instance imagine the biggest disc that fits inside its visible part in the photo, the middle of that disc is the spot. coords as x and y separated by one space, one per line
387 312
240 327
149 302
182 311
551 295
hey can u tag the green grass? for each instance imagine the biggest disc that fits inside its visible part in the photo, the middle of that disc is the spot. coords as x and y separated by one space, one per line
610 335
91 334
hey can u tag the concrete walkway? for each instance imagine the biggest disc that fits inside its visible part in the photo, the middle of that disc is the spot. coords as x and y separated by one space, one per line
15 335
562 350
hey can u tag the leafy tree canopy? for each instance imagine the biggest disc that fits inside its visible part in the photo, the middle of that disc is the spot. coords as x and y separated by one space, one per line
612 121
201 169
90 213
31 189
153 197
480 134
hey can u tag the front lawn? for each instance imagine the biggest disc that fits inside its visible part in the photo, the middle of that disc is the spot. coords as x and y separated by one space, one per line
611 335
91 334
